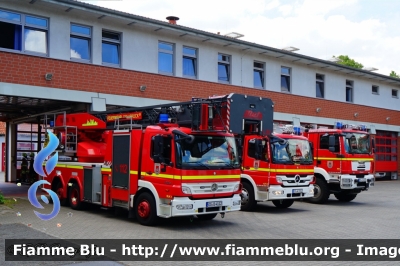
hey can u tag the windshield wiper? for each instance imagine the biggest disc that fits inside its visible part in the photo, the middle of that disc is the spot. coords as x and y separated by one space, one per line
200 164
228 164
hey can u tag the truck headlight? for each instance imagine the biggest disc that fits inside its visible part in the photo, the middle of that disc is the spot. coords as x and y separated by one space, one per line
184 206
279 179
186 190
236 187
236 202
278 192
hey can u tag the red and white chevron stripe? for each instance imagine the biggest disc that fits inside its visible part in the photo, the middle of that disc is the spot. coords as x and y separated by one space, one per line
228 114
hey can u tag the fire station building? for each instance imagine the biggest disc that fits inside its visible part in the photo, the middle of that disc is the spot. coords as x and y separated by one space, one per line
68 56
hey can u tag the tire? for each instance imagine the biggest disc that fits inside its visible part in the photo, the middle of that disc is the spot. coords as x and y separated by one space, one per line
283 204
59 190
74 197
145 209
248 202
321 192
345 197
207 217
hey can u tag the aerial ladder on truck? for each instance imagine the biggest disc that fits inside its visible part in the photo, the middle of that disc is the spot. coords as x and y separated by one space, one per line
142 160
276 166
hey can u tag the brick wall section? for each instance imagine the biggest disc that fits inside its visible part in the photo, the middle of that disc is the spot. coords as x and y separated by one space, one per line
2 128
30 70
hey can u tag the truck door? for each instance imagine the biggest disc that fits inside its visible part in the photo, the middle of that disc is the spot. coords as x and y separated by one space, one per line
157 163
255 160
329 157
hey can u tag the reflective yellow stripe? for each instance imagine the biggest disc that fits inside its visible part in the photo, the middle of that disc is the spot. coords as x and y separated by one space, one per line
106 169
194 177
200 177
133 172
74 166
342 159
283 170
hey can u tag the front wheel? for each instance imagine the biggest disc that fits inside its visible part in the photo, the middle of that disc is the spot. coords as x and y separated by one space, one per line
283 204
74 197
321 192
207 217
345 197
145 209
248 202
60 191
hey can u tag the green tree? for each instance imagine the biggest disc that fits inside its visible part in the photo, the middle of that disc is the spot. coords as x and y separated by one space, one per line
394 75
347 61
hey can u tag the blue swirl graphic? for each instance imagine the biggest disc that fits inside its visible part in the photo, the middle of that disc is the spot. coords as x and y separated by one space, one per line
33 200
47 151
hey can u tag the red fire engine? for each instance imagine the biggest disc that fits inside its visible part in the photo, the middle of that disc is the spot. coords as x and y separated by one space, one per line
343 160
147 163
275 167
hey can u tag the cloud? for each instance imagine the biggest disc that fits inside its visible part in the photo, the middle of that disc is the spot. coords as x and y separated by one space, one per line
75 54
35 41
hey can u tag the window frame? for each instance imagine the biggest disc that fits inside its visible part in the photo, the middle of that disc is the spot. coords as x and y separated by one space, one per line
82 36
114 42
172 52
259 70
227 64
377 89
192 57
22 23
320 82
288 90
395 93
351 87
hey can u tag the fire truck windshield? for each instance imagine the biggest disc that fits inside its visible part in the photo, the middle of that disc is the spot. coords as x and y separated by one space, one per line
357 143
292 151
207 152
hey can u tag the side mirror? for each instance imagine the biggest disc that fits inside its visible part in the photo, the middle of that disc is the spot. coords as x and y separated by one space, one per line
259 149
158 149
331 142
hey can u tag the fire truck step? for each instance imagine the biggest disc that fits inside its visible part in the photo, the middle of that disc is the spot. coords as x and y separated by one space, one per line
98 193
96 202
164 216
165 205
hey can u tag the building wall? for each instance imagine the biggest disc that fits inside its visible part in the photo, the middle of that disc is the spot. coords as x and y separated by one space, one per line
140 53
92 78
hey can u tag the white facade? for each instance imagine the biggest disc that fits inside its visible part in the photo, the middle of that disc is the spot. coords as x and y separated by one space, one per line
140 52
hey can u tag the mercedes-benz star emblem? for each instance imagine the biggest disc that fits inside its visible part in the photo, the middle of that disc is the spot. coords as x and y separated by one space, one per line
214 187
297 178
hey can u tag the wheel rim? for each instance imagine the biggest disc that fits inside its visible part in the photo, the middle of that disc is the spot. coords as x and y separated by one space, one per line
74 196
317 191
144 209
245 196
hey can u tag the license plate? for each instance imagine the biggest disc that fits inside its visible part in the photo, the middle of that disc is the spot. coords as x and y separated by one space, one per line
213 204
295 191
362 180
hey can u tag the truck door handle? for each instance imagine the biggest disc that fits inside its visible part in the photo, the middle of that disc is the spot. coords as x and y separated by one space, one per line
149 173
246 167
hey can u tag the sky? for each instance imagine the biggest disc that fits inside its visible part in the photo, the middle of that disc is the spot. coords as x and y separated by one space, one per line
368 31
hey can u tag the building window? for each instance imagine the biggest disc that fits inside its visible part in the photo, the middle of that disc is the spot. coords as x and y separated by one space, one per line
395 94
375 89
111 48
349 91
285 79
80 42
23 33
258 75
319 86
165 58
189 67
224 68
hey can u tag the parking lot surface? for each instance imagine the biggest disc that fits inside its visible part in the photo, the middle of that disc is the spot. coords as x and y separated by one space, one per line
374 214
